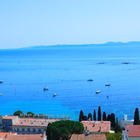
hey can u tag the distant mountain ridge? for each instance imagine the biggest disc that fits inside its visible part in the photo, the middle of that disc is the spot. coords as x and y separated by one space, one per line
131 43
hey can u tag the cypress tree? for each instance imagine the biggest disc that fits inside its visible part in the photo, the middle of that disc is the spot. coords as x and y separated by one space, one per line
108 117
136 117
112 117
94 115
81 115
99 113
90 116
104 116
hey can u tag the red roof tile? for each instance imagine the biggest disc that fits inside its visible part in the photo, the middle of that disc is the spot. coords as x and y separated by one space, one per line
25 137
88 137
9 117
3 134
96 126
133 130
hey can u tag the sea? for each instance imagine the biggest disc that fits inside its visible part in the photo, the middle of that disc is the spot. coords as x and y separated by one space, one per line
65 70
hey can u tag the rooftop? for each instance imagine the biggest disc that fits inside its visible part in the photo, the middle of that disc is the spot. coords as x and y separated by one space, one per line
3 134
9 117
133 130
34 122
96 126
25 137
88 137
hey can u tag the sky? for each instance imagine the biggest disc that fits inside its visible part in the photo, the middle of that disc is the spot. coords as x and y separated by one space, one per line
49 22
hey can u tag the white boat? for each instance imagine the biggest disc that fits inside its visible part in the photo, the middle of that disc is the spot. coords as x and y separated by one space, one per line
107 84
54 95
97 91
0 94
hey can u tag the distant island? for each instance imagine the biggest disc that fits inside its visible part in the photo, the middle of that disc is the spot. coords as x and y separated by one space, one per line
131 43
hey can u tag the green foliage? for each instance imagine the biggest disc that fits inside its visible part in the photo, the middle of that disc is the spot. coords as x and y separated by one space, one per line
30 114
112 120
114 136
136 117
81 115
99 113
18 112
104 116
117 129
94 115
90 116
63 130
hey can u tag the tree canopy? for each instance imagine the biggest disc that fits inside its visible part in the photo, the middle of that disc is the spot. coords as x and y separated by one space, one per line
18 112
136 117
63 129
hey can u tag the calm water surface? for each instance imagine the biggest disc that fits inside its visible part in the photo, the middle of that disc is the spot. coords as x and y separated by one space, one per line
65 70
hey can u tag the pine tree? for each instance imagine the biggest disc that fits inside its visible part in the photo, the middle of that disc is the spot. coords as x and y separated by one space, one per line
136 117
99 113
94 115
104 116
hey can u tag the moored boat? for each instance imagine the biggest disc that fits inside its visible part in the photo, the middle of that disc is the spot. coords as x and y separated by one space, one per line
54 95
97 91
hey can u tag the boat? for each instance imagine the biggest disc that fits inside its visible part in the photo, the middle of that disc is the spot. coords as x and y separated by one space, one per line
90 80
107 84
45 88
1 82
97 91
54 95
0 94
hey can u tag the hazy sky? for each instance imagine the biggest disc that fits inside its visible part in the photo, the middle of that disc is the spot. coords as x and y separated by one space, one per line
46 22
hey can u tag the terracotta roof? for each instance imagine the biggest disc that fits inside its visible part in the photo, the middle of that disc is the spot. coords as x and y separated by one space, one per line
96 126
3 134
88 137
133 130
9 117
25 137
34 122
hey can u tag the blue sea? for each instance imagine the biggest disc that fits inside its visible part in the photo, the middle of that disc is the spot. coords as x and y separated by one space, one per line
65 69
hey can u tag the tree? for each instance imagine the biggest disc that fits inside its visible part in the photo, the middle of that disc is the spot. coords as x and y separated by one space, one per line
18 113
30 114
85 118
136 117
90 116
63 129
81 115
108 117
94 115
104 116
99 113
112 117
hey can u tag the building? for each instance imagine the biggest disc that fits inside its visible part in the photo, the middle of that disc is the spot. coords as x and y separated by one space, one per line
26 125
88 137
15 136
96 126
132 132
124 122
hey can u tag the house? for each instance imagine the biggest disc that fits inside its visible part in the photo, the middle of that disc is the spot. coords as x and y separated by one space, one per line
124 122
15 136
96 126
88 137
132 132
26 125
